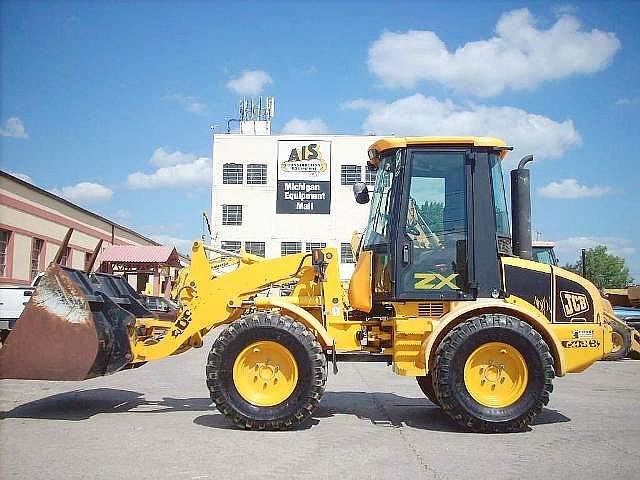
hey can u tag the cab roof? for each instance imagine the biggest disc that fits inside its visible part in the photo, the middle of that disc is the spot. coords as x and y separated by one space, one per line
543 244
400 142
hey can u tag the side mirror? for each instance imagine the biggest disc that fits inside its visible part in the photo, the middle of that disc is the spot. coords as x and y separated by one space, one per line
361 193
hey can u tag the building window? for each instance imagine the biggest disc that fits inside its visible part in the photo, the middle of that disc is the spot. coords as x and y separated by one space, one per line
315 245
230 246
256 174
232 173
255 248
289 248
66 259
232 214
37 249
87 259
370 176
4 251
350 174
346 254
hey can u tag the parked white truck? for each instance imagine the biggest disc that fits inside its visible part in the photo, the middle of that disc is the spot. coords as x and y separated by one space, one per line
12 302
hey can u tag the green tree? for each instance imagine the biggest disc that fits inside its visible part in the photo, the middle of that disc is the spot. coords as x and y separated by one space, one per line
603 269
433 213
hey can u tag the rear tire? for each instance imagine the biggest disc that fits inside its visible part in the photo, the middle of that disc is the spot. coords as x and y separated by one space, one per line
286 384
493 374
426 385
621 342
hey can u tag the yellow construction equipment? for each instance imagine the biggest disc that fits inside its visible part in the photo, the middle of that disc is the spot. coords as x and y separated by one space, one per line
442 291
625 304
625 338
624 297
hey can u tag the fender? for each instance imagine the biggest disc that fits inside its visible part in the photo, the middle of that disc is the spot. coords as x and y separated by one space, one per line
300 314
514 307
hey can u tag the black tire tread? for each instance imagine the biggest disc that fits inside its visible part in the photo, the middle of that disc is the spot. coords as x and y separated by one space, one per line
626 343
314 352
453 341
426 385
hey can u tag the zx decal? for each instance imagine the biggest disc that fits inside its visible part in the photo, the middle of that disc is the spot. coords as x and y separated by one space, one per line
427 281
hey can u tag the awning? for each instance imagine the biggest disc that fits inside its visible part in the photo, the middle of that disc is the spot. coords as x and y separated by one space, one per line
141 254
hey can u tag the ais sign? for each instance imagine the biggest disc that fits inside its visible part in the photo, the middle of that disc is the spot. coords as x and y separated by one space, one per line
304 176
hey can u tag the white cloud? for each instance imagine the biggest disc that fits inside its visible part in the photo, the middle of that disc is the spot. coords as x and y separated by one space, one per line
565 9
85 192
251 82
13 127
163 158
300 126
123 214
569 248
191 174
628 101
569 188
183 245
22 176
519 56
420 115
189 103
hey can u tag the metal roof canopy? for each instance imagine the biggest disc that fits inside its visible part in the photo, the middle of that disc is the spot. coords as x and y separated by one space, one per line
141 254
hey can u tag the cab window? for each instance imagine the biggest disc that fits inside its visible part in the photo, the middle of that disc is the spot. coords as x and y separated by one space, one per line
435 228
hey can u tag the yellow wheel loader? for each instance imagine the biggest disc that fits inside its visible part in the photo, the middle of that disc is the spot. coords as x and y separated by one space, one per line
442 291
625 338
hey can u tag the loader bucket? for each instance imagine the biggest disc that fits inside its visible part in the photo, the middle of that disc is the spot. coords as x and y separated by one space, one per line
76 326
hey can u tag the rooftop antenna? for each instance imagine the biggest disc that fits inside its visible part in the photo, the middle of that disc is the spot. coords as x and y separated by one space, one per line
271 107
254 115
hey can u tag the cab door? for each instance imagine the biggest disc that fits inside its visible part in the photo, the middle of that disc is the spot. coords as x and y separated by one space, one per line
431 244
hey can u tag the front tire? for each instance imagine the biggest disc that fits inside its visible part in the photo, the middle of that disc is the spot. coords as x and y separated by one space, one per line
621 338
493 374
426 385
266 372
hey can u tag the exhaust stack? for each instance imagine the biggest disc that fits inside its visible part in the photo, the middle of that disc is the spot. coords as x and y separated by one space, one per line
521 209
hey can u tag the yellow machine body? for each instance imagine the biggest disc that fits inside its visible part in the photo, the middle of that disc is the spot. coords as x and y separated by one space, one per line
410 337
301 297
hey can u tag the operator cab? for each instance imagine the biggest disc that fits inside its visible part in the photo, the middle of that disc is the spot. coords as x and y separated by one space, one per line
543 252
430 235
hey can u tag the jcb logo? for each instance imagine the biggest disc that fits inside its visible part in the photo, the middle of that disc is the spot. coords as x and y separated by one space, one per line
574 303
434 281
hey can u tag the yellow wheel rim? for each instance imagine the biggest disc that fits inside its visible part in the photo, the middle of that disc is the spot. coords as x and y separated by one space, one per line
617 340
496 375
265 373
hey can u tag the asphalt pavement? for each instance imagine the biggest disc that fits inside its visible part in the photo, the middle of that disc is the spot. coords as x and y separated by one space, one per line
157 422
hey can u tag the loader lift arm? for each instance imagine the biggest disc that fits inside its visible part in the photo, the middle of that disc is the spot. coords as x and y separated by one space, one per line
208 302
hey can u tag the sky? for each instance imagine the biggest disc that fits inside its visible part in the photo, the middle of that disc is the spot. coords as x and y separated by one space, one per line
112 104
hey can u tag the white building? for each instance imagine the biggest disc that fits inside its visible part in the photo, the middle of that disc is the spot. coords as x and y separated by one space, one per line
280 194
